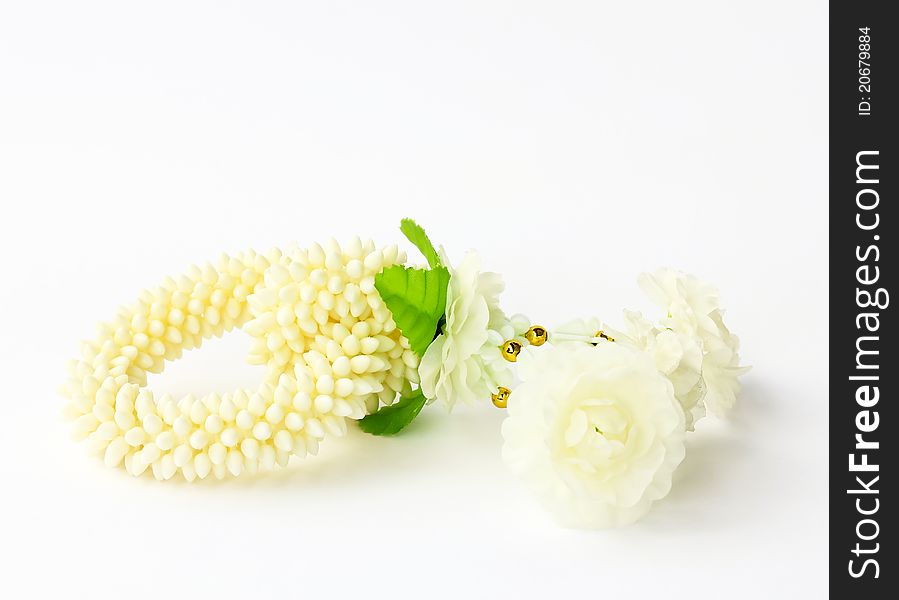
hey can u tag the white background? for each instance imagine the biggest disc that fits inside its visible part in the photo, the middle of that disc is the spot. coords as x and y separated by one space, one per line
574 144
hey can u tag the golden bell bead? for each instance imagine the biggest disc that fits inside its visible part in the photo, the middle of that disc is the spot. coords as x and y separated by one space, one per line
602 334
511 349
501 397
536 335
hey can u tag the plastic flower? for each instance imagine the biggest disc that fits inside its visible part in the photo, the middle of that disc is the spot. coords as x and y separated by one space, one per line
677 356
693 311
721 368
464 362
595 431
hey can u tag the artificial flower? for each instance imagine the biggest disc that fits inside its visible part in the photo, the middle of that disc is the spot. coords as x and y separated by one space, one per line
595 431
464 362
721 368
693 311
677 356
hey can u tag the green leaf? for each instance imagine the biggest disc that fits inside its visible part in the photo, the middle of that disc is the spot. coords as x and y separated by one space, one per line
392 419
415 234
417 300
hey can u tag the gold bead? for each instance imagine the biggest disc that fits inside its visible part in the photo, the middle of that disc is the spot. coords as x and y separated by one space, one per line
536 335
602 334
501 397
511 349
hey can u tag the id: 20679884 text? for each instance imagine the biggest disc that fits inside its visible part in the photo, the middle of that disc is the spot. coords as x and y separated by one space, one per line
864 71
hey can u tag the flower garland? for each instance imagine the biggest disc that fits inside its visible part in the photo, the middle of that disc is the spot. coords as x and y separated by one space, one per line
331 349
596 425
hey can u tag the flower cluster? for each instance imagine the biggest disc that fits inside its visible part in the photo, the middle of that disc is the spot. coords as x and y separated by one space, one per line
464 361
331 348
320 311
597 426
690 345
694 315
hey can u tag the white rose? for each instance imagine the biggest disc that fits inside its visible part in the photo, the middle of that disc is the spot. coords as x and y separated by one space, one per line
595 431
693 312
678 356
464 362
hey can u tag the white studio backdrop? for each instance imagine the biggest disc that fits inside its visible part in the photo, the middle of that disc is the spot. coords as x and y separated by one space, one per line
573 144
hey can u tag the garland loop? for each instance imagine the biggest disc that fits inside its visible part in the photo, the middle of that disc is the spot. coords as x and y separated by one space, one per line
330 346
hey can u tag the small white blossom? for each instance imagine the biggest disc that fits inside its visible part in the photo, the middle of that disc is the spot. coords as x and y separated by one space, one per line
693 312
464 362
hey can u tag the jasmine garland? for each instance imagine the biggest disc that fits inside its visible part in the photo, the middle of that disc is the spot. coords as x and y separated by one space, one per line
350 332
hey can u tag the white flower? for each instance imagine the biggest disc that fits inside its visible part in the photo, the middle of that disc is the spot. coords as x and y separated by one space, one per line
721 368
687 301
595 431
464 362
692 311
678 356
